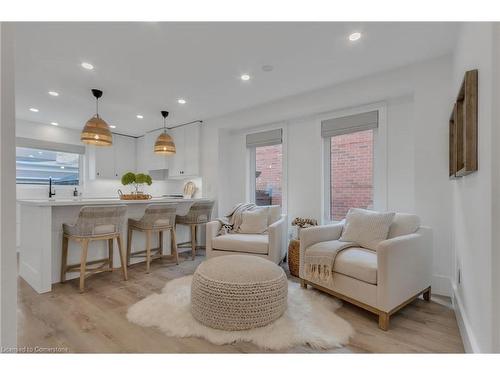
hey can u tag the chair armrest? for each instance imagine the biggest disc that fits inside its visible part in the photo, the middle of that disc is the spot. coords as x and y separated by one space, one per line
277 235
312 235
404 267
212 229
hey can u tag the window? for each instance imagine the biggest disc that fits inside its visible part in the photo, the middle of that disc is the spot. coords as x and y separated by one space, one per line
349 163
351 172
266 167
268 175
35 167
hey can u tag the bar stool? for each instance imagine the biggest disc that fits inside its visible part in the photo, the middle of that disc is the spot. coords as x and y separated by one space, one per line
199 214
156 218
94 223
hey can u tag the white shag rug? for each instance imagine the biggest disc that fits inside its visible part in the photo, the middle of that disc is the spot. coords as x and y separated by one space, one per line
309 319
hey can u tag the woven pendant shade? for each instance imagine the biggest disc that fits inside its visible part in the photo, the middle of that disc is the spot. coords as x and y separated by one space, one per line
96 132
164 145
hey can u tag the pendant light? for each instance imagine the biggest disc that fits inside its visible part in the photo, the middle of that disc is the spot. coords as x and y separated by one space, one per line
96 131
164 144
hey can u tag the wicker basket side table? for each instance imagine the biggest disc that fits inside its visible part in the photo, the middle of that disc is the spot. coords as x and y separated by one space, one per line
293 257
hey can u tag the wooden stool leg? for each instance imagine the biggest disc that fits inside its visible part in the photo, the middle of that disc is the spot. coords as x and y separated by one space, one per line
148 250
64 260
110 254
427 295
193 241
303 284
383 321
173 245
160 242
83 264
122 257
129 244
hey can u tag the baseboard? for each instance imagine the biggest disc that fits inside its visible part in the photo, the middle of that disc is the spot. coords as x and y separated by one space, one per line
468 338
441 285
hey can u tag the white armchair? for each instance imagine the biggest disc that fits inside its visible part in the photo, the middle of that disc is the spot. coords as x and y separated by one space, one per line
270 245
381 281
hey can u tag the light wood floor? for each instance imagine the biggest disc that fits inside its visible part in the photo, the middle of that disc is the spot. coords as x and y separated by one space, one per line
95 322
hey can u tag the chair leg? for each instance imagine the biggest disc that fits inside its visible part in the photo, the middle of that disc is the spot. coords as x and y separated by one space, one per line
173 248
383 321
427 295
193 241
129 244
64 260
122 257
110 254
83 264
160 242
148 250
303 284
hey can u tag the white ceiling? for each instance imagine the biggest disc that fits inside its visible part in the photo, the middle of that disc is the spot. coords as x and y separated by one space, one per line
144 67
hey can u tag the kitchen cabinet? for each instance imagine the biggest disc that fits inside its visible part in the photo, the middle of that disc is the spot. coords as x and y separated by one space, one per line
186 161
153 161
113 161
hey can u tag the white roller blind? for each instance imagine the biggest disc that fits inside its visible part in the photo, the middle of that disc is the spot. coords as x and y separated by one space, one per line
52 146
267 138
349 124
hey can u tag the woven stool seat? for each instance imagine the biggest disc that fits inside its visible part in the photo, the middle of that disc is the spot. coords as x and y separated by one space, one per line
237 292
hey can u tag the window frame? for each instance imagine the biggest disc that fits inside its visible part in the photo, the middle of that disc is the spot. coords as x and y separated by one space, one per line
71 187
251 165
380 198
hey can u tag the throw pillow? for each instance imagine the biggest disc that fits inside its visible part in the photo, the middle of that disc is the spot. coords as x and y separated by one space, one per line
366 228
254 221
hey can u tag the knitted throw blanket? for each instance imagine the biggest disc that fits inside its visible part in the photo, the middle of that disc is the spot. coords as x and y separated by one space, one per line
319 260
232 221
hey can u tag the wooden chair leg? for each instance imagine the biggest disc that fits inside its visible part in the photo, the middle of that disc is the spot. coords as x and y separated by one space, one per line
383 321
129 245
303 284
122 257
193 241
110 254
148 250
427 295
64 259
173 248
160 242
83 264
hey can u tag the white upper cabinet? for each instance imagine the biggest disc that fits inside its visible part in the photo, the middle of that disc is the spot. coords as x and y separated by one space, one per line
153 161
186 161
113 161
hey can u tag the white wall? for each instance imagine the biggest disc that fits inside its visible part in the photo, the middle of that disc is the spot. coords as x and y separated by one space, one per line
417 100
8 269
472 197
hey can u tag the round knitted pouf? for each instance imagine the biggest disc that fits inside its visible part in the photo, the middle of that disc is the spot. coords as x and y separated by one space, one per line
236 292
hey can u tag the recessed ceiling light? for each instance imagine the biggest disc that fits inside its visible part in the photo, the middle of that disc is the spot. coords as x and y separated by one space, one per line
245 77
54 123
62 166
139 116
112 126
40 152
34 109
31 156
53 93
88 66
181 101
354 36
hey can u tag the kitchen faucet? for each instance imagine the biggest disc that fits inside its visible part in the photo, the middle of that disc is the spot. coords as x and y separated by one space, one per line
51 194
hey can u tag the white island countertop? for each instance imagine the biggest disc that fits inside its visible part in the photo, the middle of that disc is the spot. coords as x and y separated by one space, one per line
96 201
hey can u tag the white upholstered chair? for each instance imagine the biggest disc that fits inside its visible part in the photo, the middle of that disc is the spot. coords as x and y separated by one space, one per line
270 245
381 281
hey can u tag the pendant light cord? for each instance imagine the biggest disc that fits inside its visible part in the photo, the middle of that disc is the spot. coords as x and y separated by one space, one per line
97 107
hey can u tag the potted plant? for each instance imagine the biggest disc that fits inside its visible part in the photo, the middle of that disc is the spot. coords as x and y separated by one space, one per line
137 180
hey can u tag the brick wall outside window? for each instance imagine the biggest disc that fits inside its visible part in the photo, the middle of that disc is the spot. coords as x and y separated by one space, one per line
268 168
351 173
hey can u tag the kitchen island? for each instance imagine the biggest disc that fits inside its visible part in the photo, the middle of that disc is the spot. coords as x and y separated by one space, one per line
41 236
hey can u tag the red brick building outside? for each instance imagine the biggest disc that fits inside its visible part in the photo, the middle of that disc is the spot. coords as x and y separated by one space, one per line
351 173
269 174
